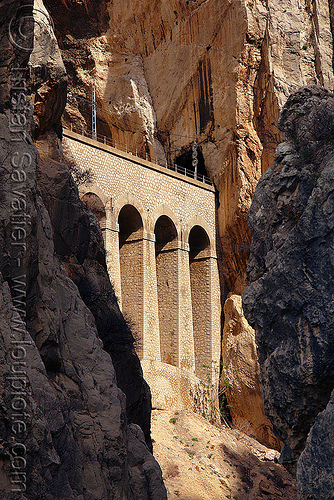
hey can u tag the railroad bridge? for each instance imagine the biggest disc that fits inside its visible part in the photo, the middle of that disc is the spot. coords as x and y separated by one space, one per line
159 229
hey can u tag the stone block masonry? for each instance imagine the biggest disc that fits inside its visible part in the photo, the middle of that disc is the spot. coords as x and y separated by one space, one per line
159 231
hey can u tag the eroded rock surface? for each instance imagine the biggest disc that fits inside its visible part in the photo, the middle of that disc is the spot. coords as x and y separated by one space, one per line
240 377
315 470
77 441
168 73
289 300
171 72
77 237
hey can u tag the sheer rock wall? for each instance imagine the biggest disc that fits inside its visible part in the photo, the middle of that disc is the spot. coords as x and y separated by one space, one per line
168 73
289 301
76 438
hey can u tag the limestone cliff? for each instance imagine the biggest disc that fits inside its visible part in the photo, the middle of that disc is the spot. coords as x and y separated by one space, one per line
289 301
168 73
240 379
66 428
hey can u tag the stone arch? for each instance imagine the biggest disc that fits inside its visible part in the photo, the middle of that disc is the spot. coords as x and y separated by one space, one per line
129 199
200 283
167 272
92 187
158 212
95 205
197 220
132 270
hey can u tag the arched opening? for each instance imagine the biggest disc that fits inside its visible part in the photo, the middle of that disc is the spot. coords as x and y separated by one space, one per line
95 205
131 265
200 282
167 282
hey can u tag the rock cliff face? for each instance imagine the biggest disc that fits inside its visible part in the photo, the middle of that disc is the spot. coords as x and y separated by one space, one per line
241 375
289 301
166 73
316 464
65 423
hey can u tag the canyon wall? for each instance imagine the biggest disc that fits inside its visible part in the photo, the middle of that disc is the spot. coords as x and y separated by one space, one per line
289 300
166 74
67 430
169 73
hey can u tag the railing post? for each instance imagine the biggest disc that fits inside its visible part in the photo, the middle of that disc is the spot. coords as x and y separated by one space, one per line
194 158
94 127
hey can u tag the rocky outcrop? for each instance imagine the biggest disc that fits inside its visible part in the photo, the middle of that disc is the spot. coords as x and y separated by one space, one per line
65 429
79 245
169 73
289 300
77 237
240 375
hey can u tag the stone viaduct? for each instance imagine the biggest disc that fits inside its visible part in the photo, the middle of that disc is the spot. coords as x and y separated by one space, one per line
159 229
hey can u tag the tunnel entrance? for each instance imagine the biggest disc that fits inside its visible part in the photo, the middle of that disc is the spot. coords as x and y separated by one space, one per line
185 160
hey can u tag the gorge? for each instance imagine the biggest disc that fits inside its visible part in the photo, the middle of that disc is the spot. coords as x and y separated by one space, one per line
167 75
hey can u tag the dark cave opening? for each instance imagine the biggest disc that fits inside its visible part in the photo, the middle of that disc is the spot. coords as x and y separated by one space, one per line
185 160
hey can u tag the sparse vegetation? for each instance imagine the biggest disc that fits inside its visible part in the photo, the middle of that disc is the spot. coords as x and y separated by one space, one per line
80 176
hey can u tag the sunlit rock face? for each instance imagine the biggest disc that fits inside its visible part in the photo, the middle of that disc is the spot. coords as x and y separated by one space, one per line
289 300
240 375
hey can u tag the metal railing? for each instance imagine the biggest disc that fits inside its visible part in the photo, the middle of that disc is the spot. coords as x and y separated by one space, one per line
124 147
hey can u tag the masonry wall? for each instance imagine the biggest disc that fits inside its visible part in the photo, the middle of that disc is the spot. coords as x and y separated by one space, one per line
201 310
131 264
172 300
151 186
167 283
